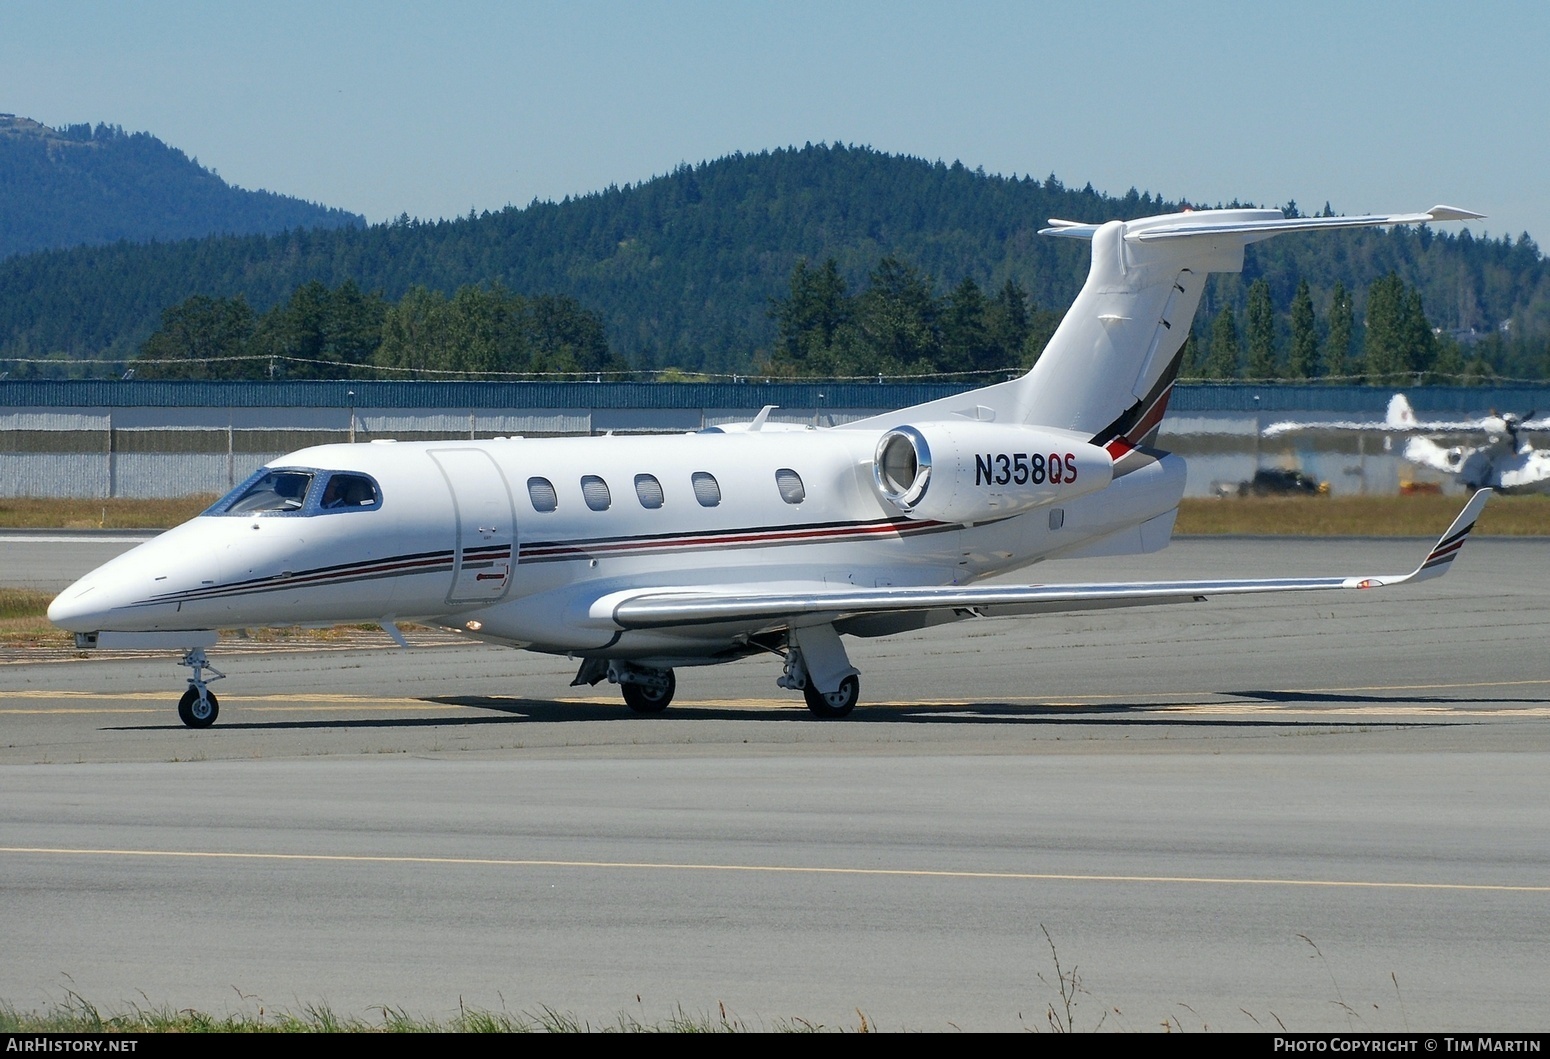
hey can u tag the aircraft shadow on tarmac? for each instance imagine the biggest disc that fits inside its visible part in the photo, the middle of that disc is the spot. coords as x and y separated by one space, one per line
503 710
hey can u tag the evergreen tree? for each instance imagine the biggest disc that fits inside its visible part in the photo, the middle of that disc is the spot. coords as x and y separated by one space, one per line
1189 358
897 328
1261 332
292 333
1337 344
816 306
1302 360
966 341
1222 360
198 335
564 337
1010 326
1385 353
414 333
1416 335
1448 364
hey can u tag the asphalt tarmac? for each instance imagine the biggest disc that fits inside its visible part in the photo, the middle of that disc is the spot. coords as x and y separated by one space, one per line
1325 812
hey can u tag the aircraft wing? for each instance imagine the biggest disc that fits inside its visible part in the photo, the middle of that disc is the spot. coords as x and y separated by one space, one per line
666 607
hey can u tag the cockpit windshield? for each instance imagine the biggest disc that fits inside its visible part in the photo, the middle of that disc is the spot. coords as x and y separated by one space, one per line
272 491
285 491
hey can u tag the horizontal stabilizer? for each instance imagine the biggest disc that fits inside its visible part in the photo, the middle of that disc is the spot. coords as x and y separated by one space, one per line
1263 226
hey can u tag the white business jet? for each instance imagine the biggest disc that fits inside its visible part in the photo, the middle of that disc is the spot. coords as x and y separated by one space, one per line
639 555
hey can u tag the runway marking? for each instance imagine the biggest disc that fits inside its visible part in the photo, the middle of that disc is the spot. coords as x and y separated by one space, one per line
79 538
774 869
1359 711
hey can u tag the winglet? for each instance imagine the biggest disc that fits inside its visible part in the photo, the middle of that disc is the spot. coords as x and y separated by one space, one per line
1438 559
1453 213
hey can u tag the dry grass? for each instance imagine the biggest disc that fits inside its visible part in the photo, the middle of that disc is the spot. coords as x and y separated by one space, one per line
1374 516
24 623
30 513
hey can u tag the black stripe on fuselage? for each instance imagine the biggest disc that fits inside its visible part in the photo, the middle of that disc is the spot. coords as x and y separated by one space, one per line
579 549
747 537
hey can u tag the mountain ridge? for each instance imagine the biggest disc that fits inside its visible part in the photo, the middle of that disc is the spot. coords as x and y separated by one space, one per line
86 185
685 266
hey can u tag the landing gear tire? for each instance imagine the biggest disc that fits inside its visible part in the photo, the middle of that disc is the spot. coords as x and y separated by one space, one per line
197 712
643 699
834 704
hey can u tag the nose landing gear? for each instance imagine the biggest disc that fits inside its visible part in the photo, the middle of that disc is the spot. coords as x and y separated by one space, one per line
199 707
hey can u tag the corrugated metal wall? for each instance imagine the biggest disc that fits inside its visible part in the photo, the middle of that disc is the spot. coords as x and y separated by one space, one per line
158 439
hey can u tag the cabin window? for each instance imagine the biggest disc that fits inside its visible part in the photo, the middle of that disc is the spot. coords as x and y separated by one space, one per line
271 492
789 483
649 490
541 492
349 492
595 491
706 489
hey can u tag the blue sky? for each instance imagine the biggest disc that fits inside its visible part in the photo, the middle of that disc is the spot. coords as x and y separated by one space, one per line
432 109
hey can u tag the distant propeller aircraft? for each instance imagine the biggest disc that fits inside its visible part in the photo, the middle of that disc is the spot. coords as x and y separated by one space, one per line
1505 461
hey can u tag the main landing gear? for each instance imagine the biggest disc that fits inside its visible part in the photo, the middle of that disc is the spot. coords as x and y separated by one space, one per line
199 707
646 690
816 664
650 698
833 705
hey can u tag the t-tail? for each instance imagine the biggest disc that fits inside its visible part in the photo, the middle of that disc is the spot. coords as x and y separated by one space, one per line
1109 369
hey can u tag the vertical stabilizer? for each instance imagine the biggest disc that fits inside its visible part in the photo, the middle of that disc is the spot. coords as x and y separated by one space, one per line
1109 369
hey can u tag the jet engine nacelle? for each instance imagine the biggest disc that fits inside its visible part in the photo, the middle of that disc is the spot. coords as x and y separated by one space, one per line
975 472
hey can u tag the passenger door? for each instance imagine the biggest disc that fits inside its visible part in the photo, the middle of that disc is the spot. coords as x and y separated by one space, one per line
486 525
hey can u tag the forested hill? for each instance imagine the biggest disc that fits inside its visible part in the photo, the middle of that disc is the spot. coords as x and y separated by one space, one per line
683 268
87 186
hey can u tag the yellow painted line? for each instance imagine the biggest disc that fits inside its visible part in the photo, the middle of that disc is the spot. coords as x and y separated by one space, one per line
769 869
1357 711
1077 700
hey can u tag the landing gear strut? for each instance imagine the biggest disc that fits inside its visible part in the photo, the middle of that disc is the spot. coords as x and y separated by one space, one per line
815 660
199 707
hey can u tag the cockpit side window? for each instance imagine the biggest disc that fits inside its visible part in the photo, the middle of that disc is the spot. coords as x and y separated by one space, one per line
269 492
349 492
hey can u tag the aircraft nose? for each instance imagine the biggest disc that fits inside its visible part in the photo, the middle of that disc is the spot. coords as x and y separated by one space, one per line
123 594
80 608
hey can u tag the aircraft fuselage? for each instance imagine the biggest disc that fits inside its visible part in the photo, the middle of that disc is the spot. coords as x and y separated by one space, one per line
512 539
